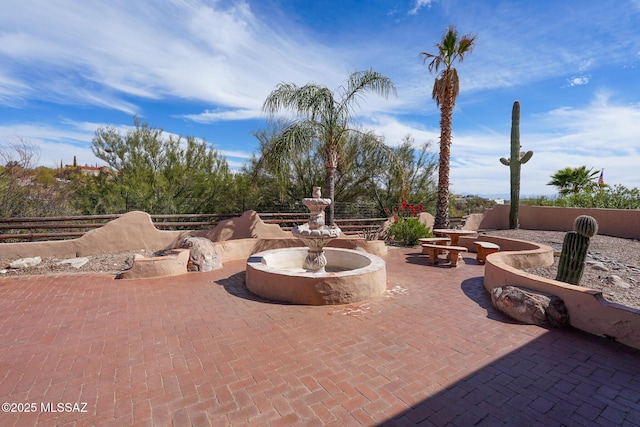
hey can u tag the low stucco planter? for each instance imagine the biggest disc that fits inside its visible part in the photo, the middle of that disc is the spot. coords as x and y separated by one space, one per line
173 264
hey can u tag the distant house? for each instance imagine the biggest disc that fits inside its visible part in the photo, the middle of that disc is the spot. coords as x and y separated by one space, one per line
90 170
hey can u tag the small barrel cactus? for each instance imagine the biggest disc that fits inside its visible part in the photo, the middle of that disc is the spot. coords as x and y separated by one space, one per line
585 226
574 249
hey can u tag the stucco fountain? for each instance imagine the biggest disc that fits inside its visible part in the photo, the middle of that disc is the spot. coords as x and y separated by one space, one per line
316 275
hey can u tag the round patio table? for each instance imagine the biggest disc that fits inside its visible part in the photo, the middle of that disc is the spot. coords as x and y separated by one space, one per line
453 234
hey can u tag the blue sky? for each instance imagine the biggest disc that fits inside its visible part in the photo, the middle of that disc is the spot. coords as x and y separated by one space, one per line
204 68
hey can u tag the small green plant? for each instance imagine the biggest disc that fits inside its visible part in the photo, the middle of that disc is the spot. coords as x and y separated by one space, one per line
407 229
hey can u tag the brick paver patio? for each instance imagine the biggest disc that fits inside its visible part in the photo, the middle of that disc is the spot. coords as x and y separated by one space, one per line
200 350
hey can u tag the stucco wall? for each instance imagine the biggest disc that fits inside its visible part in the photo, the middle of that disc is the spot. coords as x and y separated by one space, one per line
611 222
235 238
132 231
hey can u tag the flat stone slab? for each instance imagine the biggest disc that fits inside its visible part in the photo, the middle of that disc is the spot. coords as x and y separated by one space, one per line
75 262
25 262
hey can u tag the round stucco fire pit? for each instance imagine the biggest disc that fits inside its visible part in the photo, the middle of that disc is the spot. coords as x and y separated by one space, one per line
349 276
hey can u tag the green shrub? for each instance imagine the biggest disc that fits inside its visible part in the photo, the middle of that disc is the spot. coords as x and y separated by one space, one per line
407 231
616 197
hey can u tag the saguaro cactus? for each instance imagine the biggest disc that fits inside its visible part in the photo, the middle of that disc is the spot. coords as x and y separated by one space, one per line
574 249
514 162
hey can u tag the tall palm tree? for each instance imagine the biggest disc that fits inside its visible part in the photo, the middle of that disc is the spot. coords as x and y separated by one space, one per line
445 91
324 116
574 180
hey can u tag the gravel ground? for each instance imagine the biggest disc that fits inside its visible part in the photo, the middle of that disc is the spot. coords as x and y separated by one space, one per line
112 263
613 264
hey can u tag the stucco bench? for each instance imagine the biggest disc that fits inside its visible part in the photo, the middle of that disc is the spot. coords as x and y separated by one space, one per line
433 250
484 249
433 241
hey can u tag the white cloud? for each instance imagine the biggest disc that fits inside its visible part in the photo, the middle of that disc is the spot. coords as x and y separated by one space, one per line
578 81
211 116
395 130
600 127
188 49
236 154
419 4
602 134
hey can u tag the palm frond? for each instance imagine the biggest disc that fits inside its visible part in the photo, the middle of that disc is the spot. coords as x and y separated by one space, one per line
450 49
310 100
360 82
280 98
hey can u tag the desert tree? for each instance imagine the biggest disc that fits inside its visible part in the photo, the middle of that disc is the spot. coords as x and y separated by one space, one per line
158 173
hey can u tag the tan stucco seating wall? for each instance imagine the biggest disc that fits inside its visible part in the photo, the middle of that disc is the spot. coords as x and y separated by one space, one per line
236 238
588 310
132 231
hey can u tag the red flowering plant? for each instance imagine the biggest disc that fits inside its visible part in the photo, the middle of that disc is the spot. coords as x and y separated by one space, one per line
406 229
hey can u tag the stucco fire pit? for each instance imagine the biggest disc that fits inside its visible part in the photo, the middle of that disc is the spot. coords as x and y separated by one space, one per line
349 276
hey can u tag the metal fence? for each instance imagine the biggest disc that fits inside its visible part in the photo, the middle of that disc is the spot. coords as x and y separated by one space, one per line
68 227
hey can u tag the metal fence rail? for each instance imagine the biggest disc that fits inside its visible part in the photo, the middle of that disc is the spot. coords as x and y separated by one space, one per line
60 228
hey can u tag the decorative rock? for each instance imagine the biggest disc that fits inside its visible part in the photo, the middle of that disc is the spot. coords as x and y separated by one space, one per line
75 262
128 263
596 265
530 307
202 254
3 271
426 219
25 262
617 281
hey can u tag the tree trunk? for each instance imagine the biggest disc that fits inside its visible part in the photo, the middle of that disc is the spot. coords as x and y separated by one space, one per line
329 189
331 163
442 207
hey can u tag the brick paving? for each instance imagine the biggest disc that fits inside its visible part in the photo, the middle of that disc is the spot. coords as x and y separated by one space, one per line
199 350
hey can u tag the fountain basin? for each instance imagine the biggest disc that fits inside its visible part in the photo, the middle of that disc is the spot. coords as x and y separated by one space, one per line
350 276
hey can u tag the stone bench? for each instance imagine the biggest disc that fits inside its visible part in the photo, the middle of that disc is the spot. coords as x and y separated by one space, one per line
433 250
433 241
485 248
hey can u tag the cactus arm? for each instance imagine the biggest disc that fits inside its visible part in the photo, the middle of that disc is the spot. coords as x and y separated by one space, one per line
525 157
504 161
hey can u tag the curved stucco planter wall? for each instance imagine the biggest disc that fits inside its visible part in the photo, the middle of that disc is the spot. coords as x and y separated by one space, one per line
588 310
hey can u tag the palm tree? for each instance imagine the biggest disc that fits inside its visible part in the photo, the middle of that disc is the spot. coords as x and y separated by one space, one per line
574 180
445 91
324 116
